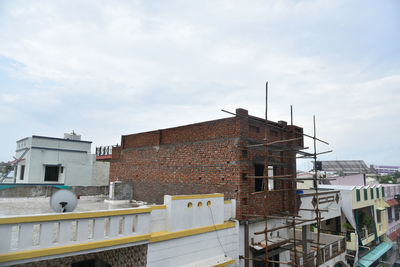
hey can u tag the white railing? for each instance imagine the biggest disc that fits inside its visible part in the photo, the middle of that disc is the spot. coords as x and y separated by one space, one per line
327 252
55 230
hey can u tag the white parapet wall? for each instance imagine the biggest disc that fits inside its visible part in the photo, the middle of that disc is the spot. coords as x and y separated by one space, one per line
195 230
196 233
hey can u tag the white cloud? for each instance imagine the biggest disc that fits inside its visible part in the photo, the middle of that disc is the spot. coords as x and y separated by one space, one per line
133 66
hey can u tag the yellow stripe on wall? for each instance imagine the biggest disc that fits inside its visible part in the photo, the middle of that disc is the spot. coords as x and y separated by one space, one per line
165 235
71 216
158 207
225 263
196 196
14 256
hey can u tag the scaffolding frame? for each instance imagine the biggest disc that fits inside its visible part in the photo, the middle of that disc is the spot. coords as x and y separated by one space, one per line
293 219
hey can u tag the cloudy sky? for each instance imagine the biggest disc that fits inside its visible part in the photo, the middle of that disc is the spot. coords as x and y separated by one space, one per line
107 68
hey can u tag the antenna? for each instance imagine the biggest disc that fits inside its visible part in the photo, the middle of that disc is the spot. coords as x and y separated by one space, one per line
63 201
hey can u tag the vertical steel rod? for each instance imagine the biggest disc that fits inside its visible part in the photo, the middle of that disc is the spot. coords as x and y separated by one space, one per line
266 186
291 115
316 192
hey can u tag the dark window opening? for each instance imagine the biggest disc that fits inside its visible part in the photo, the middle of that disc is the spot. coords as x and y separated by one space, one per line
258 182
389 212
396 212
22 172
274 132
254 129
51 173
261 256
91 263
379 216
365 194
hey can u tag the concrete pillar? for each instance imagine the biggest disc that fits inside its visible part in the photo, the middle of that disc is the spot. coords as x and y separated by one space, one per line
306 235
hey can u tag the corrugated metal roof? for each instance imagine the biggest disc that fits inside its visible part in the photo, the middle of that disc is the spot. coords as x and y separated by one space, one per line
345 166
374 254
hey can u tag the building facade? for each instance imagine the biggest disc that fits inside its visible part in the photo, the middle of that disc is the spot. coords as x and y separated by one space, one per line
392 194
364 219
50 160
212 156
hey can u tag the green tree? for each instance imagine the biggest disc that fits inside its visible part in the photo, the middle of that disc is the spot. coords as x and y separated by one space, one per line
387 179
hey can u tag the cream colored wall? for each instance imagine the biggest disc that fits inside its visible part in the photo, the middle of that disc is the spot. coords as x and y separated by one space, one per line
377 203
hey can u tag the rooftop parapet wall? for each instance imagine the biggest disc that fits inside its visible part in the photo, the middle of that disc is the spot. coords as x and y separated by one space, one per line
27 191
86 232
223 128
239 126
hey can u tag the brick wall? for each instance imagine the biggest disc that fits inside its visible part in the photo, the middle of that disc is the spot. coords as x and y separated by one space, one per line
208 157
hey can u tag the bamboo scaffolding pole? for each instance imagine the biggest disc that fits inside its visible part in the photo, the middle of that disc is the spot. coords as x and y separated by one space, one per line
265 180
277 159
281 227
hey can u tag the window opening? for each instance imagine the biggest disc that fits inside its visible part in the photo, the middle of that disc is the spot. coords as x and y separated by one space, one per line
22 172
52 173
258 182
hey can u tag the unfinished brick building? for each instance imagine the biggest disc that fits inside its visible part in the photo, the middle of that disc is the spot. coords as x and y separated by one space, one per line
217 156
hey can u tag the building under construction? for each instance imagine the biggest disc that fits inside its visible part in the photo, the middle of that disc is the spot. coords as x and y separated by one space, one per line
247 158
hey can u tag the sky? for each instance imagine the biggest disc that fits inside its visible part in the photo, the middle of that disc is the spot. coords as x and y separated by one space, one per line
110 68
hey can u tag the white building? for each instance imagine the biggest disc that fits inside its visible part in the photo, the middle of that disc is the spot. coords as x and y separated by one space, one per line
50 160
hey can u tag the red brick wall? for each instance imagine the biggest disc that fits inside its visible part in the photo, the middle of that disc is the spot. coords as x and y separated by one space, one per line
208 157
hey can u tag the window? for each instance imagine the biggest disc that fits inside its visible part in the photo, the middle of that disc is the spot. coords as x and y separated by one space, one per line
22 172
379 216
372 193
51 173
358 195
377 192
258 182
389 212
271 181
383 192
365 194
396 212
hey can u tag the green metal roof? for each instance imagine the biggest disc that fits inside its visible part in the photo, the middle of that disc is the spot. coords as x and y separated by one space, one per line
374 254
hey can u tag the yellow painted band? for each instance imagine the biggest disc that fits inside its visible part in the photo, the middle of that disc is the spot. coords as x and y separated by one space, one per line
158 207
225 263
71 216
13 256
227 201
196 196
165 235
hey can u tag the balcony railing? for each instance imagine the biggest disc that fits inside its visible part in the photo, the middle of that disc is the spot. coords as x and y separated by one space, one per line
366 238
334 246
57 230
104 151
